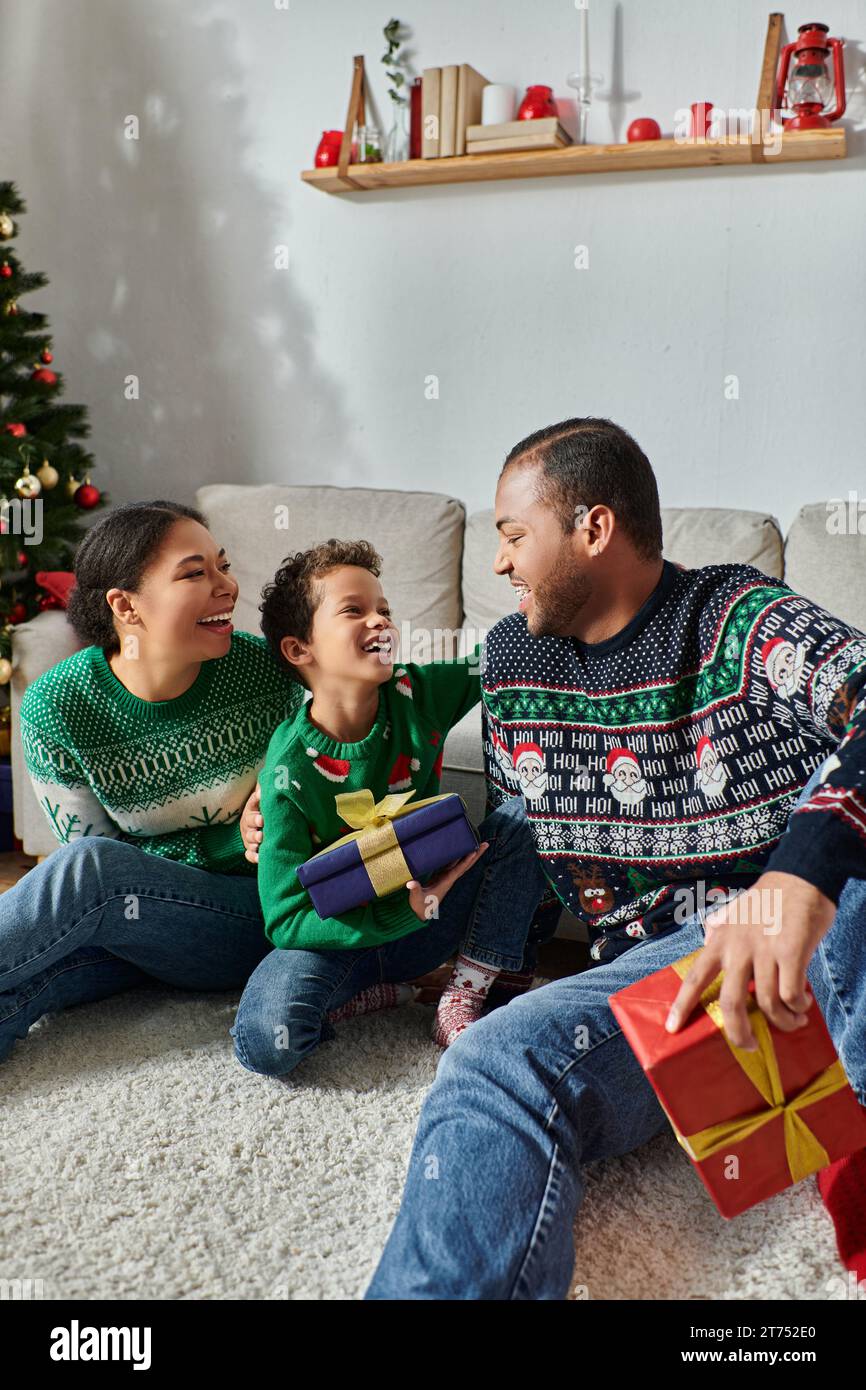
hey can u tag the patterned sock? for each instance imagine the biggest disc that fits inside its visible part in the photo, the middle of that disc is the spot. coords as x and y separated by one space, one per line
384 996
463 999
509 983
842 1185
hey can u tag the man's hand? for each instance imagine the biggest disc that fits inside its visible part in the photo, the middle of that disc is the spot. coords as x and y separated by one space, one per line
252 822
419 897
768 933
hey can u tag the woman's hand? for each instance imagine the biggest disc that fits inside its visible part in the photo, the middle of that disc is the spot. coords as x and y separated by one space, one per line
252 823
424 900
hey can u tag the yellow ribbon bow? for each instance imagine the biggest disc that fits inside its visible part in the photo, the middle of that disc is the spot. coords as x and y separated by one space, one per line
378 845
804 1152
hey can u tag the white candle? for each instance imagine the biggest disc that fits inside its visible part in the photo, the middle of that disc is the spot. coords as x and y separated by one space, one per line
584 49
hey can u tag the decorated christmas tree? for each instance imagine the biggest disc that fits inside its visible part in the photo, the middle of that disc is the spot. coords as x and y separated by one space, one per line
44 471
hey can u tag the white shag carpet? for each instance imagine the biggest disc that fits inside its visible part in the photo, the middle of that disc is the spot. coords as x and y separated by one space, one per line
140 1160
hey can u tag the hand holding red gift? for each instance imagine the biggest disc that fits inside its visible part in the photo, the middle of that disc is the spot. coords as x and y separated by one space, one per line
768 933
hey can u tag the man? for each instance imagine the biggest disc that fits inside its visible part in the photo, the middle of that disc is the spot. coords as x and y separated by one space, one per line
635 671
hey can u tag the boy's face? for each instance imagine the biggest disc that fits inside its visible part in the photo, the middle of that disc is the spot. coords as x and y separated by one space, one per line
353 636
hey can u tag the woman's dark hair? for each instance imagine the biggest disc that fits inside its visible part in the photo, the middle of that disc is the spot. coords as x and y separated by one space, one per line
114 554
290 602
592 462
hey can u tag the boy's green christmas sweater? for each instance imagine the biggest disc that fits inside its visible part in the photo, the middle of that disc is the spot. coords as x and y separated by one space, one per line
171 776
305 770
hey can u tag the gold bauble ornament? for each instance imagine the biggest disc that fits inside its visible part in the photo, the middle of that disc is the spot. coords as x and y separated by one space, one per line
5 671
72 486
7 226
10 307
47 475
27 485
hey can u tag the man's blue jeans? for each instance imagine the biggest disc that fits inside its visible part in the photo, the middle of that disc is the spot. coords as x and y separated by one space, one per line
489 912
517 1107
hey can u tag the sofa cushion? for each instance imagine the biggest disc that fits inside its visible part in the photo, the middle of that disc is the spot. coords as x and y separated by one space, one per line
693 536
418 534
827 566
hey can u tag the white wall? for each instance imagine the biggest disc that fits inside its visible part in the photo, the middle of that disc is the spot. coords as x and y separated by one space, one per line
160 254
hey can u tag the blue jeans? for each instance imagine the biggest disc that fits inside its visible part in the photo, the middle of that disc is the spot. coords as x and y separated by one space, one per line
488 912
494 1181
99 916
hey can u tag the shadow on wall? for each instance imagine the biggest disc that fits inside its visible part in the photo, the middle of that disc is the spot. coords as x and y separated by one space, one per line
172 239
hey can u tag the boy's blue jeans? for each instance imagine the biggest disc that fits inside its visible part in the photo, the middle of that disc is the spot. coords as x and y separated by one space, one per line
99 916
494 1180
488 913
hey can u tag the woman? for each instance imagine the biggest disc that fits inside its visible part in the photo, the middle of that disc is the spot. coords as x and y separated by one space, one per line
143 749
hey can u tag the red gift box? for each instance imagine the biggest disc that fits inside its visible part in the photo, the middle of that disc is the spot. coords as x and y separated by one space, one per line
753 1123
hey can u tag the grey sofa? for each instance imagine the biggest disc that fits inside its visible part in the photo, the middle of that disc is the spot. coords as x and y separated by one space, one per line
438 576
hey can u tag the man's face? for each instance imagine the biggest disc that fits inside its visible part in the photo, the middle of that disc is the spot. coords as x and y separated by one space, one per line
542 563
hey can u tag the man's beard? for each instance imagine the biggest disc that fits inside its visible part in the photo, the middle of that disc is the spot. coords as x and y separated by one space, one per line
557 601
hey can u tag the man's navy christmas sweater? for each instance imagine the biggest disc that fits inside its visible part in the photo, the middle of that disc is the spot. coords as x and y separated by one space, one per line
665 761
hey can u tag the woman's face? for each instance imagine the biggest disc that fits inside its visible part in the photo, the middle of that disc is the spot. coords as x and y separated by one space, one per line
187 582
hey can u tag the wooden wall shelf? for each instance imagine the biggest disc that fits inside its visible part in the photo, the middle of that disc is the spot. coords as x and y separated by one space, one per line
796 146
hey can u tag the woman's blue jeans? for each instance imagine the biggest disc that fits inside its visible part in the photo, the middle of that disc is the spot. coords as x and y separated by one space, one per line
488 913
99 916
532 1091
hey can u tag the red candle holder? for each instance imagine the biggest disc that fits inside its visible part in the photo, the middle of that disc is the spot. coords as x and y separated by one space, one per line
537 103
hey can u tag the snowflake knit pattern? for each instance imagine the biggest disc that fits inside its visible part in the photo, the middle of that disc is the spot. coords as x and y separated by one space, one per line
172 776
306 770
665 761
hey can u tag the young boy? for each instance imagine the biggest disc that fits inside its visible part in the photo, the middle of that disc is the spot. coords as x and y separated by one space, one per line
371 725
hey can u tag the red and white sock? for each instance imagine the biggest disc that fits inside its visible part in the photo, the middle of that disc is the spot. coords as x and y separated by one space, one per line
384 996
463 999
843 1187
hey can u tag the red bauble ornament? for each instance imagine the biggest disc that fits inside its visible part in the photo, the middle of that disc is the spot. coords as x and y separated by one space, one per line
86 496
44 376
17 429
17 613
644 128
6 270
23 559
46 355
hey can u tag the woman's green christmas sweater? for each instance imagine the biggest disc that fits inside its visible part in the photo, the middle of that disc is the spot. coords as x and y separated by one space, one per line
305 770
171 776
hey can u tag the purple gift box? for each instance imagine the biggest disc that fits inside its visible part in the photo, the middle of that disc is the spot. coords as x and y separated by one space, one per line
429 836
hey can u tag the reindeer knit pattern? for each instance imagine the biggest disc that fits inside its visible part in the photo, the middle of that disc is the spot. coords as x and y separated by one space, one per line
172 776
659 767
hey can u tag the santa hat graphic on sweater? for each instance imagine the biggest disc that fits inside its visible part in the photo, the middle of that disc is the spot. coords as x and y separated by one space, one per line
620 757
335 769
403 683
523 751
400 776
703 747
769 656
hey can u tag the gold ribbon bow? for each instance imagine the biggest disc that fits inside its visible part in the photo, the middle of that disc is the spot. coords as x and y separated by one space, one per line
378 845
804 1152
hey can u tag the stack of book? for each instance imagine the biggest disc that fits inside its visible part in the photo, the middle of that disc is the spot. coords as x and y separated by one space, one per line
450 102
544 133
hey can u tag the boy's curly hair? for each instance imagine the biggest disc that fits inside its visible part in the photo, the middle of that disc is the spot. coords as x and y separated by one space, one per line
290 601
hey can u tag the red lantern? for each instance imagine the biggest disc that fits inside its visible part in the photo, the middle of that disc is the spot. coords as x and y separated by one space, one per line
810 89
44 377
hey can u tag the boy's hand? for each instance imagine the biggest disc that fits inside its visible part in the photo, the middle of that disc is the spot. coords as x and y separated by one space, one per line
252 822
769 933
420 895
